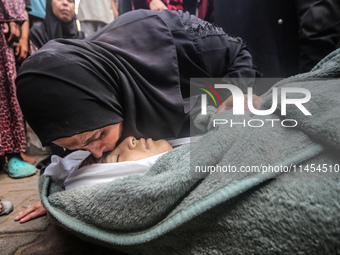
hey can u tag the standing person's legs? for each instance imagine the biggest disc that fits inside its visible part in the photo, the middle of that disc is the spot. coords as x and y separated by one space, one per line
124 6
12 130
190 6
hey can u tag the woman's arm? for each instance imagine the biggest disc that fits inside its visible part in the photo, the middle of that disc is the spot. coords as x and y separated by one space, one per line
21 50
156 5
114 9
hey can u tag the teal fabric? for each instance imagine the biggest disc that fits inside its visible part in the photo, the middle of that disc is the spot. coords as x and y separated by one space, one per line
38 8
174 210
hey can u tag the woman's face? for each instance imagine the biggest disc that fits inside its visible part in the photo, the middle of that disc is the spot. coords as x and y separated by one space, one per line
63 10
131 149
97 141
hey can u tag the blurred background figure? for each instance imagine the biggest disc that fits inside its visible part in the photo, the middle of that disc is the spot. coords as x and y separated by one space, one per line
190 6
37 12
158 5
124 6
154 5
203 9
285 37
12 129
21 48
59 22
93 15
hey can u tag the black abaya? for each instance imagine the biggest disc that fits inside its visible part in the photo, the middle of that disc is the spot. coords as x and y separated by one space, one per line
137 70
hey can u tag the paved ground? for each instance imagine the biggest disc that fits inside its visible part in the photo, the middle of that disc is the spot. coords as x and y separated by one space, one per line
38 236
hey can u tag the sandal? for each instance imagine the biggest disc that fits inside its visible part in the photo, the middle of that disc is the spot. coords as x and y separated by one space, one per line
7 207
18 168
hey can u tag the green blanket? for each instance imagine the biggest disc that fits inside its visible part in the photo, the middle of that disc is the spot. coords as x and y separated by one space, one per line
174 210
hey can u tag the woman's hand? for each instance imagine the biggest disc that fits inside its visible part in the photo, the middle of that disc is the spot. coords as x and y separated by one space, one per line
21 51
33 211
157 5
228 103
14 31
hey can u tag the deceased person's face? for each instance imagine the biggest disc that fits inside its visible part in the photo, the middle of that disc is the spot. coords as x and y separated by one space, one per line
131 149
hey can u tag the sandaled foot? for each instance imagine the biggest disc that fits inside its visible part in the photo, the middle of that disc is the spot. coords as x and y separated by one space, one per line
18 168
7 207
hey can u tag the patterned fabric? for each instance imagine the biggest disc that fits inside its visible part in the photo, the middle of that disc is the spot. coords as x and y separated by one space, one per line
198 28
12 130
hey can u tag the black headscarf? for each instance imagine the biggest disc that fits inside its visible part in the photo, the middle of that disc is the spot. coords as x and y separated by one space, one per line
136 70
53 28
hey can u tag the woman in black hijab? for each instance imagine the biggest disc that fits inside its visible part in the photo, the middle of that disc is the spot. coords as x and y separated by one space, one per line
59 22
130 78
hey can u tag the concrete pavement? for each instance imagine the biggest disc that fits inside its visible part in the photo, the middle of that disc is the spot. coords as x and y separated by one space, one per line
37 236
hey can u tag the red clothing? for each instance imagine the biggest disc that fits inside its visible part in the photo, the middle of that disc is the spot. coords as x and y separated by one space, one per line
12 130
173 5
